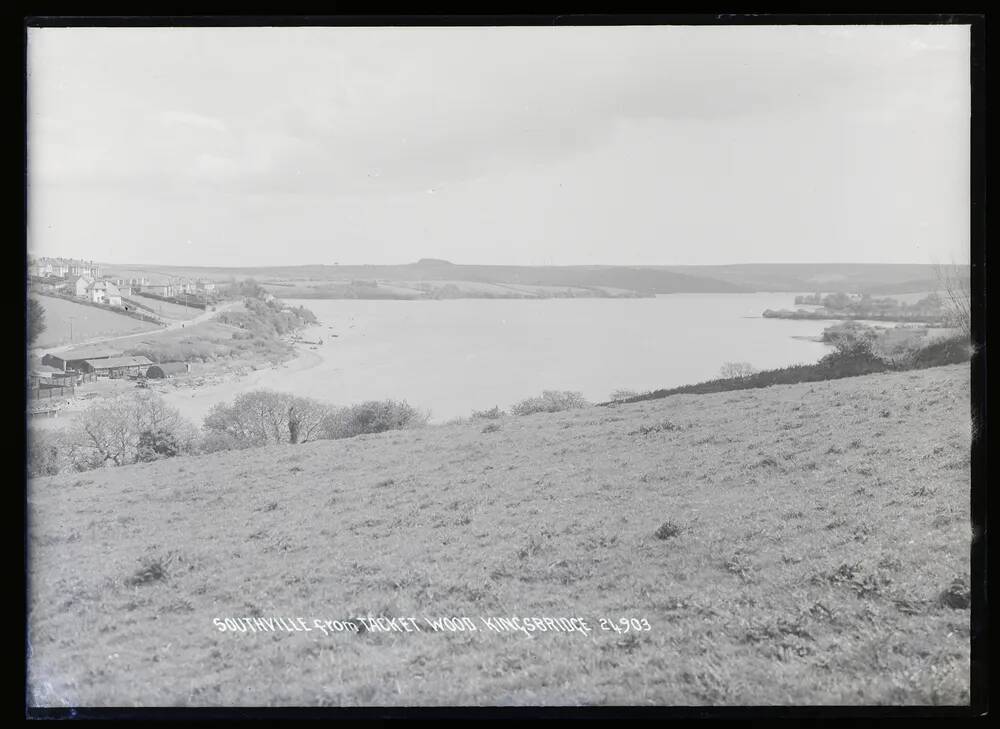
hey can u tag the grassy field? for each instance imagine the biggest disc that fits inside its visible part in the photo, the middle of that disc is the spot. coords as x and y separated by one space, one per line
88 322
801 544
167 309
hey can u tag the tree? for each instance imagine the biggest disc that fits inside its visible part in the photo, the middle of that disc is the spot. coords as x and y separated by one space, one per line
264 417
36 320
737 370
957 289
372 416
130 427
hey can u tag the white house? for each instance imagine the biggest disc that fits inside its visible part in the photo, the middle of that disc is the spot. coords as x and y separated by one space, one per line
96 291
81 287
112 294
104 292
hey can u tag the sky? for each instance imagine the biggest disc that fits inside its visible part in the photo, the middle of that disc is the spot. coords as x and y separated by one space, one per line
635 145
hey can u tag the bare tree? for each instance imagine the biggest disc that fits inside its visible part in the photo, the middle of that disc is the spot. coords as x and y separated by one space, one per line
956 286
113 430
737 370
263 417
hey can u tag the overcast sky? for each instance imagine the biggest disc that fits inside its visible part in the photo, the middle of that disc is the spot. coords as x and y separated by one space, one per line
630 145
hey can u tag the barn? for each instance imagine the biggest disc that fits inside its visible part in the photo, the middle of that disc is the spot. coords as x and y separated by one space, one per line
168 369
117 366
76 359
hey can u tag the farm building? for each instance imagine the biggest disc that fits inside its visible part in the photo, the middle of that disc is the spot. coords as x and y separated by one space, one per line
75 359
44 376
168 369
117 366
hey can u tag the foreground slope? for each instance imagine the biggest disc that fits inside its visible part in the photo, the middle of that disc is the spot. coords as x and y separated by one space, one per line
817 552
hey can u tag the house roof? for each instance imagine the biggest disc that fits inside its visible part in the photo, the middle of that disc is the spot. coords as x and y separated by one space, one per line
103 364
46 370
88 352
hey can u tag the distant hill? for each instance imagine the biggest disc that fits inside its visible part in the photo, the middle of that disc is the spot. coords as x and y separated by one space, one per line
875 278
644 280
737 278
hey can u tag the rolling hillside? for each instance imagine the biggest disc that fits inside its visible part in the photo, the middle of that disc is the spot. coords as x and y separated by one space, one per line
646 280
804 544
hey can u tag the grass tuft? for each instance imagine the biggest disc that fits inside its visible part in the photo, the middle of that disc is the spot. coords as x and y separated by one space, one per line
667 530
152 570
958 596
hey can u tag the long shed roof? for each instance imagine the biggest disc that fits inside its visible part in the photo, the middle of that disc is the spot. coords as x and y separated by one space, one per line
111 362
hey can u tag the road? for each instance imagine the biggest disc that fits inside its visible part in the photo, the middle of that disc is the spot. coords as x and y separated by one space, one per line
172 326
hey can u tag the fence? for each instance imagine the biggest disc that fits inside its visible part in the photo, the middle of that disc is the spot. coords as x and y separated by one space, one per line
192 302
46 393
141 316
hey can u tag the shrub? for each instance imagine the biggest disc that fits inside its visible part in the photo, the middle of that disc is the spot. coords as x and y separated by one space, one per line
43 453
551 401
852 356
215 441
737 370
491 414
622 395
373 416
850 329
951 350
156 444
667 530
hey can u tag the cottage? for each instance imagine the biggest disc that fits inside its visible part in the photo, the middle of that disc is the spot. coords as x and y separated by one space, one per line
96 291
81 286
168 369
115 367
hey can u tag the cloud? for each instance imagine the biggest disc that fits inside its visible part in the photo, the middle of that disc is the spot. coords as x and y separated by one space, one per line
317 110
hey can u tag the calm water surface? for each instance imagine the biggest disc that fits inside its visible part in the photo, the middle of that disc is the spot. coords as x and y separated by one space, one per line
455 356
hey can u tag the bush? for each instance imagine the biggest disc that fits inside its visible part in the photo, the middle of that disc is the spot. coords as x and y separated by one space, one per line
951 350
215 441
373 416
853 356
491 414
849 329
156 444
737 370
43 453
623 395
551 401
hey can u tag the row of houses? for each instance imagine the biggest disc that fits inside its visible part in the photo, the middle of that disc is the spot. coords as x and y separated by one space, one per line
178 288
72 270
112 291
63 268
